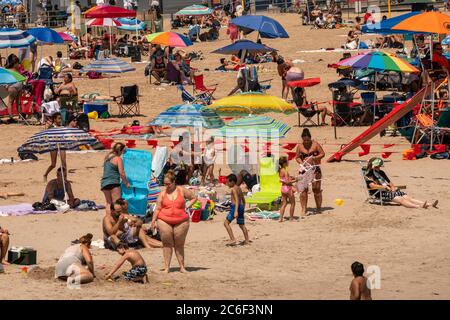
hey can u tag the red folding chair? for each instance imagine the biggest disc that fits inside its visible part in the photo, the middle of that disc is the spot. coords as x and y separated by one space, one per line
200 88
310 109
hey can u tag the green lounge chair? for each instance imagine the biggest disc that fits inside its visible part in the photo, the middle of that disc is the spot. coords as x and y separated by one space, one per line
270 185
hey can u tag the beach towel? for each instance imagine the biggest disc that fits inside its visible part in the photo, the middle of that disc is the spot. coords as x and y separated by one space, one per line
264 215
22 209
159 160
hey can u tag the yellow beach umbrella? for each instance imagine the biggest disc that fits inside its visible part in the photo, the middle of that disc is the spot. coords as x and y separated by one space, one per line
251 103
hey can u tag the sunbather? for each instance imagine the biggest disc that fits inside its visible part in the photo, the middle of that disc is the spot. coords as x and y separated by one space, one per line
138 269
226 65
287 189
4 245
55 190
310 152
377 179
67 88
71 265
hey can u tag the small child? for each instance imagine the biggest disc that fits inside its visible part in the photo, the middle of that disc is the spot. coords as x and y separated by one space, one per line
287 189
358 286
139 269
236 211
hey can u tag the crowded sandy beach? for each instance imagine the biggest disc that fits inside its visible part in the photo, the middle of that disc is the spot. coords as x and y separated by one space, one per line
346 196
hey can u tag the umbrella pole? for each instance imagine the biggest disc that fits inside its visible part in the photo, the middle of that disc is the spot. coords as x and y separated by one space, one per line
63 173
432 116
374 98
334 114
110 42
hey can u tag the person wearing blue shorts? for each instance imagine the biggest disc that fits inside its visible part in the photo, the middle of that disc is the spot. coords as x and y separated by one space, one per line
236 211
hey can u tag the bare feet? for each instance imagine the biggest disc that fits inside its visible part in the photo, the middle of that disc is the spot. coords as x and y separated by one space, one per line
5 263
231 243
167 270
435 203
246 243
183 270
281 220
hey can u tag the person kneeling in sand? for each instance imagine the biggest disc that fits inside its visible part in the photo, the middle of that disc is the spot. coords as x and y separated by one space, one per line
4 244
55 190
138 269
358 287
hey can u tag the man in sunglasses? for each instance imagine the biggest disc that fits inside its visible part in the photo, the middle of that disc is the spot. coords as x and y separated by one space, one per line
439 58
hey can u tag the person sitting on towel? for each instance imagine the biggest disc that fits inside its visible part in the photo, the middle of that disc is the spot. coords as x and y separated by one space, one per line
55 190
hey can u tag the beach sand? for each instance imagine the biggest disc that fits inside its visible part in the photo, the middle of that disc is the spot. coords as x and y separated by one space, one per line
309 259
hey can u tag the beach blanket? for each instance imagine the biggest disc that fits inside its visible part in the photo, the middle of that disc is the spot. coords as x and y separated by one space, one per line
22 209
264 215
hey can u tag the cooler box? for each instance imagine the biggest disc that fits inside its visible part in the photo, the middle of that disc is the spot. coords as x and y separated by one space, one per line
24 256
92 106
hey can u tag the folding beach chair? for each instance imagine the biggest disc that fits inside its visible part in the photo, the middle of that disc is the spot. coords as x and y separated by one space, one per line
138 166
270 185
373 196
202 98
200 88
45 73
159 161
128 101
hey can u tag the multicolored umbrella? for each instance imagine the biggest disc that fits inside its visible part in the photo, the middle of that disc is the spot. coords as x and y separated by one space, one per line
426 22
251 103
46 35
385 27
379 61
188 115
15 38
10 77
267 27
131 24
254 127
106 11
103 22
55 139
194 10
239 45
171 39
111 65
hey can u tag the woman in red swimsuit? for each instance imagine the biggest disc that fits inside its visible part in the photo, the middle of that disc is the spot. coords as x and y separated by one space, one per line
173 221
310 151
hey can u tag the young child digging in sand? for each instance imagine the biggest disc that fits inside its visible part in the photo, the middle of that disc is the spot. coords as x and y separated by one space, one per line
138 269
358 286
236 211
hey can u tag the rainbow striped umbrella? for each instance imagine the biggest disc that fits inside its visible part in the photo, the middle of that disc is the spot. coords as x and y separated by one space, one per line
103 22
171 39
194 10
10 77
378 61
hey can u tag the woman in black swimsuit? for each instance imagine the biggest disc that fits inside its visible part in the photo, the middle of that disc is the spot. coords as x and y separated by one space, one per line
310 151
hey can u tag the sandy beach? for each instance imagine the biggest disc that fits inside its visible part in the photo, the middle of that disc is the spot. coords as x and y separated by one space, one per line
307 259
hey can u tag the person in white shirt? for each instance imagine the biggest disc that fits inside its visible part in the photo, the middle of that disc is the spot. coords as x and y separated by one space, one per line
209 158
100 2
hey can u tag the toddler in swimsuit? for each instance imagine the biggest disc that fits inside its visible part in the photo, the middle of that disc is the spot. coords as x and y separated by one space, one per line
287 189
138 270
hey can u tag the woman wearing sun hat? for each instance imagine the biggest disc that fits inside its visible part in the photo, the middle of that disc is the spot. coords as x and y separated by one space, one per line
377 179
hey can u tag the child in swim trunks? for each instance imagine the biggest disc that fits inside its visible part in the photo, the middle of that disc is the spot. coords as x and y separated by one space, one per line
287 189
236 211
138 270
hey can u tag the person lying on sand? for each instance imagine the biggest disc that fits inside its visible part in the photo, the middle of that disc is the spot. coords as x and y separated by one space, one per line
138 269
358 286
4 244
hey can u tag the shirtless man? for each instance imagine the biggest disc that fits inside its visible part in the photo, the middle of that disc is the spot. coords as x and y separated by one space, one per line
358 286
4 244
138 269
67 88
119 226
236 211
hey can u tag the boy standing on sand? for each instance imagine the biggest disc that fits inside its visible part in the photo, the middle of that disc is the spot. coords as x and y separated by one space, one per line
139 269
358 286
236 211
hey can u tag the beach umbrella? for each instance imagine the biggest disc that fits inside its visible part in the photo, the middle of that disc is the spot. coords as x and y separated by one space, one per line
378 61
46 35
109 65
426 22
106 11
10 77
385 27
251 103
67 37
446 41
15 38
240 45
55 139
194 10
171 39
267 27
188 115
103 22
131 24
254 127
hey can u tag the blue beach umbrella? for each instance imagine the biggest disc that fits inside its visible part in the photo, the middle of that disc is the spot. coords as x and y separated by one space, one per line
46 35
248 45
385 27
111 65
267 27
131 24
10 77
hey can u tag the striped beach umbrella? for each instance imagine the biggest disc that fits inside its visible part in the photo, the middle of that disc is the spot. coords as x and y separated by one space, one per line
103 22
188 115
106 11
57 138
251 103
10 77
131 24
171 39
111 65
15 38
194 10
378 61
254 127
